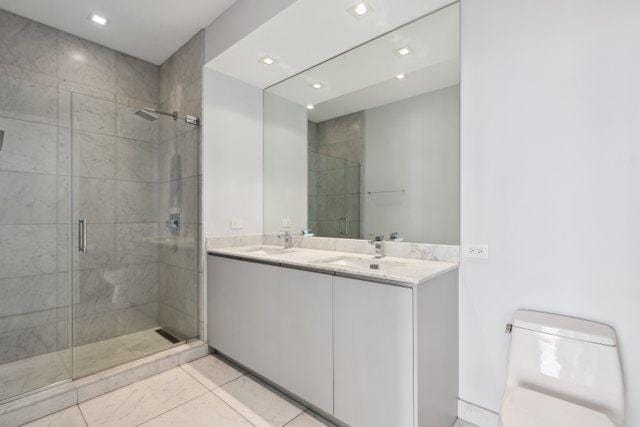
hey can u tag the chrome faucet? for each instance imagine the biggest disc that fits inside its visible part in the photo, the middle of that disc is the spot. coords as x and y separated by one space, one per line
288 239
378 243
395 237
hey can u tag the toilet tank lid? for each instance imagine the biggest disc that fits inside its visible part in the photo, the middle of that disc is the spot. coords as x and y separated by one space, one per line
563 326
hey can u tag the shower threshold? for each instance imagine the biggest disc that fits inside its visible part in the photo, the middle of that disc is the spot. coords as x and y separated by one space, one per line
26 375
53 398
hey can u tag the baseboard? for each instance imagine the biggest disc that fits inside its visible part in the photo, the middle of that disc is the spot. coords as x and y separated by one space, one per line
477 415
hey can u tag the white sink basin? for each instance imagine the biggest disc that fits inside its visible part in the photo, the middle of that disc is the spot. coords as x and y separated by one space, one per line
364 263
266 250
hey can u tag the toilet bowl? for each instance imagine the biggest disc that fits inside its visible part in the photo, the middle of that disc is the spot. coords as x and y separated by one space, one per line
562 372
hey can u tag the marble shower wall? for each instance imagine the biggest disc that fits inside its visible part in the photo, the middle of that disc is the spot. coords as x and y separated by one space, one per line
336 153
56 88
181 90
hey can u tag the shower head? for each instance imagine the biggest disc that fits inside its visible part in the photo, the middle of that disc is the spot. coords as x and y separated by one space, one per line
147 114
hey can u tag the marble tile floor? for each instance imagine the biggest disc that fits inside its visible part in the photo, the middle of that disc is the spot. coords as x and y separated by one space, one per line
26 375
205 392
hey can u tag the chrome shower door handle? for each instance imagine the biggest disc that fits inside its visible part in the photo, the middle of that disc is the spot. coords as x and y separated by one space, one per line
82 235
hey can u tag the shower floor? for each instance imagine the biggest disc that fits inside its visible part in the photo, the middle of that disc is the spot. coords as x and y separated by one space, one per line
26 375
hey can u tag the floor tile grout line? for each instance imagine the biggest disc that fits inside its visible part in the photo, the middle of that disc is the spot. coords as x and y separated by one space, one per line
243 374
304 409
278 393
82 415
291 420
229 405
175 407
204 385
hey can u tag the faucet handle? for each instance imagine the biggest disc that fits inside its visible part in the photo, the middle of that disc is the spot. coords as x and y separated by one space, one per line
286 234
376 238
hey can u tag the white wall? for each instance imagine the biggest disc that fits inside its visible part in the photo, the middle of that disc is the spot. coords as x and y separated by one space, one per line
413 144
550 150
231 155
285 164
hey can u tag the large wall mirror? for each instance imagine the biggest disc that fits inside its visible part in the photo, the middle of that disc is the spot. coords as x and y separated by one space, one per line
367 143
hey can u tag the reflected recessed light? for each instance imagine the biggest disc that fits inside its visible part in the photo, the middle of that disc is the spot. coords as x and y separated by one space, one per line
360 10
404 51
100 20
268 60
400 76
317 86
309 107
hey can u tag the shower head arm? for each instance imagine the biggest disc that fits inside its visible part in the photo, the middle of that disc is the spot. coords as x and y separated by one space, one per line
151 110
150 114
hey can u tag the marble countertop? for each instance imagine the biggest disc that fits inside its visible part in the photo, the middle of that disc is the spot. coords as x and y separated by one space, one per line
392 270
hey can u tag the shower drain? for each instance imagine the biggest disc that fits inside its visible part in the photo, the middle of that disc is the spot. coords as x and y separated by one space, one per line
166 335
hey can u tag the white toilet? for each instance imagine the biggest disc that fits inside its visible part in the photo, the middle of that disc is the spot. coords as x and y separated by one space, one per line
563 372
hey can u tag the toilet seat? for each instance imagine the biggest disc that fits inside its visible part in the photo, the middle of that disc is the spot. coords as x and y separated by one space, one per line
526 408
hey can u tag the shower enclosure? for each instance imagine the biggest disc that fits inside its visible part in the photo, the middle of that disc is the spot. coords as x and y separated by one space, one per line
99 232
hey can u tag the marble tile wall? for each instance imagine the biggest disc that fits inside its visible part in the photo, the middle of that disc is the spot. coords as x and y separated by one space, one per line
29 167
336 153
179 177
60 93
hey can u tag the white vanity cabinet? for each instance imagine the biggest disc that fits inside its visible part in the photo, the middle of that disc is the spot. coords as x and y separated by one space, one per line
370 354
373 353
277 322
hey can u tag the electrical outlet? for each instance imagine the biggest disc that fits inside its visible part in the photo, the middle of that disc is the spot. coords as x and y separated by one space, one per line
236 224
286 222
476 251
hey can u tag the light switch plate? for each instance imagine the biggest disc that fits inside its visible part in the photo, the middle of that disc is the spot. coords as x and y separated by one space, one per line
286 222
236 224
475 251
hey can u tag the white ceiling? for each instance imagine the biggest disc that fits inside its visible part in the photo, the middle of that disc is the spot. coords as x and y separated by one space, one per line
427 79
311 31
365 76
147 29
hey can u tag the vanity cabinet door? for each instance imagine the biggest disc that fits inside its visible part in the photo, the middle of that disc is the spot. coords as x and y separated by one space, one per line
276 321
373 353
305 336
243 312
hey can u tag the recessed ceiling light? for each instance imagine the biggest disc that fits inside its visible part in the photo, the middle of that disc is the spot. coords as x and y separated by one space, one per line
360 10
317 86
404 51
309 107
268 60
400 76
97 19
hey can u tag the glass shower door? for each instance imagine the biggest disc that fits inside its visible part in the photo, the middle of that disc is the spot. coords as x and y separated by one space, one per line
126 286
35 284
93 272
334 196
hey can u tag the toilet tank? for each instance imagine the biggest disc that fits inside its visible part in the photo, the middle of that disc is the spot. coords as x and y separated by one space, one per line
568 358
